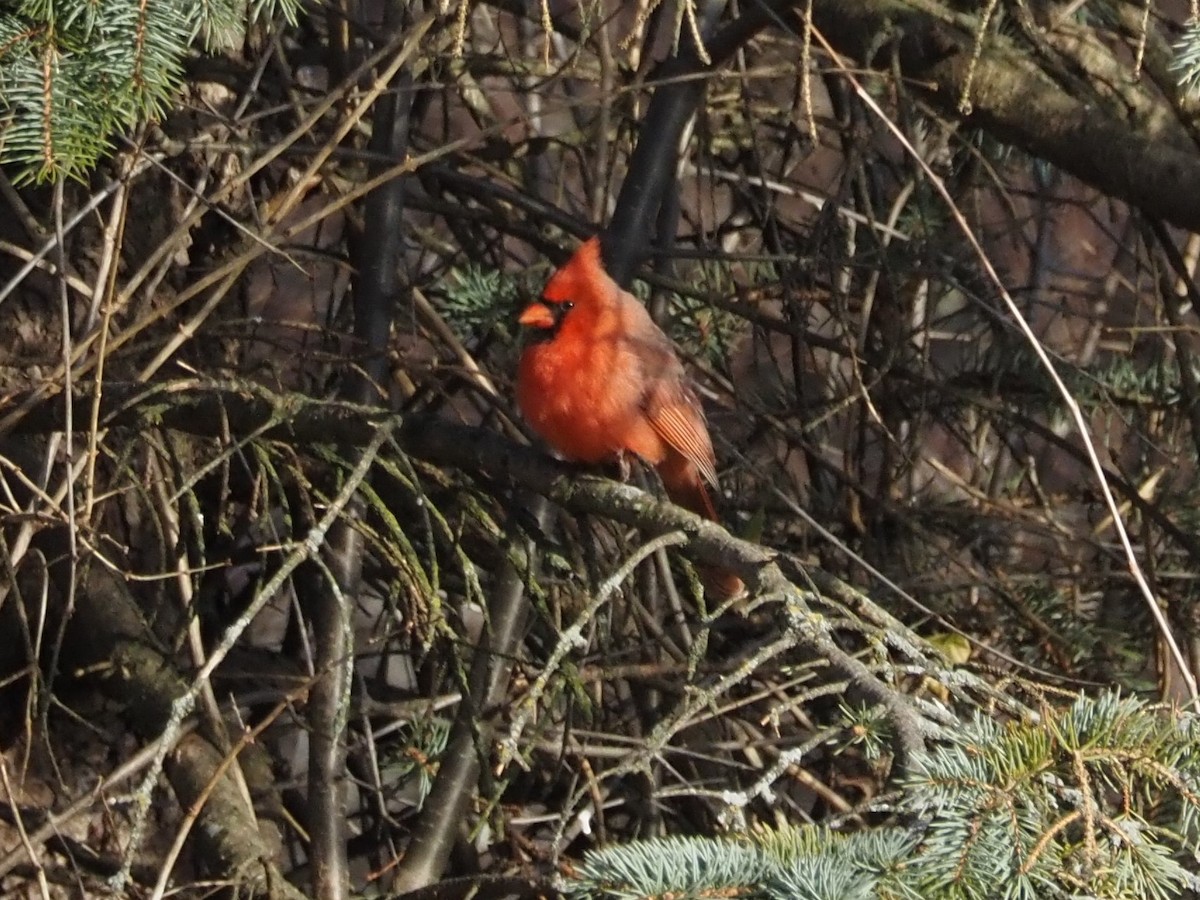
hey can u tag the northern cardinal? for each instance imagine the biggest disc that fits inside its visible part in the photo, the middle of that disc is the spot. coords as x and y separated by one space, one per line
599 379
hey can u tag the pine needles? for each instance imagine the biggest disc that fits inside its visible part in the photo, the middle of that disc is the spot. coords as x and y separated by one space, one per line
1099 799
72 74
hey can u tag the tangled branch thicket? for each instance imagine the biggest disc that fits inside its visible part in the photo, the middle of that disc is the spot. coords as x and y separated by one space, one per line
285 609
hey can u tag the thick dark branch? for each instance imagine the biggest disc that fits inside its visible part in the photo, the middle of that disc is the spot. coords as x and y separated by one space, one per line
1122 139
656 156
440 825
380 247
378 251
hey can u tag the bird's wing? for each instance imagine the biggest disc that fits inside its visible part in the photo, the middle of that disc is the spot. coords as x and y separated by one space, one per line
675 413
667 401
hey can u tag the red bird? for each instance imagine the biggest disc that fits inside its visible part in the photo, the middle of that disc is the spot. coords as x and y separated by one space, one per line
599 379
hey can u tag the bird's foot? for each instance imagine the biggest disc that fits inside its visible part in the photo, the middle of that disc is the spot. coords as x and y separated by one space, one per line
624 468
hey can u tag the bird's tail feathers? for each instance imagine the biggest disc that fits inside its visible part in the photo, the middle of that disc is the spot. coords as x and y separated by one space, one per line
720 584
685 487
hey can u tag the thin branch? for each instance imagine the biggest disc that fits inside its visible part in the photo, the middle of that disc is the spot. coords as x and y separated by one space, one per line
183 706
1150 163
1039 350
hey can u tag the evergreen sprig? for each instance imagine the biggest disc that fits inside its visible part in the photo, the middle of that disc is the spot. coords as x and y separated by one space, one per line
1100 799
74 72
786 863
1186 64
415 756
687 866
699 326
476 299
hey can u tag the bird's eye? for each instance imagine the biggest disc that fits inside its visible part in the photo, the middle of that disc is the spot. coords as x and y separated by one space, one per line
568 305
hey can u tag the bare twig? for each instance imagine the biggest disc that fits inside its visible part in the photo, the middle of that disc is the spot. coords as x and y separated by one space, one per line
1039 350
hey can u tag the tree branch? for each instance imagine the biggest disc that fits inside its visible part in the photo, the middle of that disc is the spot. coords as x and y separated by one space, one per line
1126 142
246 409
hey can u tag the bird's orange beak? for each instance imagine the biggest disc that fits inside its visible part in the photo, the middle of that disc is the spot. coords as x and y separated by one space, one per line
537 315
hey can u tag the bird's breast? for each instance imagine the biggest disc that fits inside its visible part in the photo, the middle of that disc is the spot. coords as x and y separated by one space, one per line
584 397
